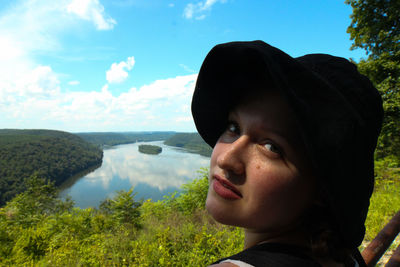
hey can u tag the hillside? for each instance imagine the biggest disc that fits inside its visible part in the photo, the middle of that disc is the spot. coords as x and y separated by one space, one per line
191 142
119 138
54 155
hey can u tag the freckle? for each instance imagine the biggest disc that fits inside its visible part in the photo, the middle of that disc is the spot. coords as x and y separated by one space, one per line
257 167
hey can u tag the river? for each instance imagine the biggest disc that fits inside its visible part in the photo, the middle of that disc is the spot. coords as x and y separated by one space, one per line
123 167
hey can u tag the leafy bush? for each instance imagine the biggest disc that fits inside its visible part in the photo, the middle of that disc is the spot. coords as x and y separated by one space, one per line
174 232
193 195
123 208
387 171
36 228
385 202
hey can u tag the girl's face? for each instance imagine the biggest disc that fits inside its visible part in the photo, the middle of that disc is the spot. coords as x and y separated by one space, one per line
259 175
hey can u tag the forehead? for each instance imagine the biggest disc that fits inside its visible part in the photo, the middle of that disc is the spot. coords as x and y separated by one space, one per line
270 106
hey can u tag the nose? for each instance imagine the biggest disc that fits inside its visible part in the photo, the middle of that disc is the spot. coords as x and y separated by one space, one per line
232 159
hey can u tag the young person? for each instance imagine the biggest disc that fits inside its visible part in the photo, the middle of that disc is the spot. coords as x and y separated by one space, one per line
293 142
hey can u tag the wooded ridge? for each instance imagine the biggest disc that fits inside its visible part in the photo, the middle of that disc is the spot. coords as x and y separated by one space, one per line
53 155
119 138
191 142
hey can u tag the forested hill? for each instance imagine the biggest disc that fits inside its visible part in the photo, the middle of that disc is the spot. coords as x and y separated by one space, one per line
191 142
53 155
119 138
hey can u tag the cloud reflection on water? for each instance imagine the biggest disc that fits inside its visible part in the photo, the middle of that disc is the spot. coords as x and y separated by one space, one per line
124 167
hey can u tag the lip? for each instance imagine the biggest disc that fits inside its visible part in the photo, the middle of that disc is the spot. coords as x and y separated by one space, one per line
225 189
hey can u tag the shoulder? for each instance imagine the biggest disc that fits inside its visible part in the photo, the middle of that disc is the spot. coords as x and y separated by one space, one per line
231 263
223 264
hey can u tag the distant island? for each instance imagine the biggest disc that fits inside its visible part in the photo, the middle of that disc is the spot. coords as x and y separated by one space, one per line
53 155
192 142
150 149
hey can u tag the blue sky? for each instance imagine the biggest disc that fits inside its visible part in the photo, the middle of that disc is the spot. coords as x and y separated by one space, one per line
131 65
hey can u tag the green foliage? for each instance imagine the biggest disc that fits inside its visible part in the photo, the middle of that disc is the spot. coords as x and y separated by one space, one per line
194 194
24 214
53 155
375 28
384 72
39 200
385 202
123 208
386 171
191 142
150 149
375 25
174 232
38 229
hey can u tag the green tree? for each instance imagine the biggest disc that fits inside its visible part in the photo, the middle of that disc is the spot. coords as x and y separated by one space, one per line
123 208
384 72
375 27
38 200
194 194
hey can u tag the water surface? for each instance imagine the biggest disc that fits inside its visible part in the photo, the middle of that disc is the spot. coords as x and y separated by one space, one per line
152 176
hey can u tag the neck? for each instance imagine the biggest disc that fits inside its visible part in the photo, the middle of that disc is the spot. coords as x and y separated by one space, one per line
291 237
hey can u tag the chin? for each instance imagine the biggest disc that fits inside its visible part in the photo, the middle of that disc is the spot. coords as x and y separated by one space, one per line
213 210
219 213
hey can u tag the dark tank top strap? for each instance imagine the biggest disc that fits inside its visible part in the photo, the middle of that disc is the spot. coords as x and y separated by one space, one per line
276 255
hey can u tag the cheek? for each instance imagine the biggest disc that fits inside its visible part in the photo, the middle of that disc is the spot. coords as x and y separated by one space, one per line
284 194
277 178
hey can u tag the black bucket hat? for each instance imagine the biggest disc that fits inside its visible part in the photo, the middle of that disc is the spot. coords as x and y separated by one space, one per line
338 111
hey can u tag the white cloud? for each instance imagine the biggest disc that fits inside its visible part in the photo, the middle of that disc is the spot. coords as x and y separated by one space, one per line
186 68
22 22
201 17
41 22
184 119
8 49
137 171
92 10
40 82
118 71
161 105
73 82
32 95
28 28
199 9
189 10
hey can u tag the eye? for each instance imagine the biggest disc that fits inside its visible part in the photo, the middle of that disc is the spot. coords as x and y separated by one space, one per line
233 127
273 148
